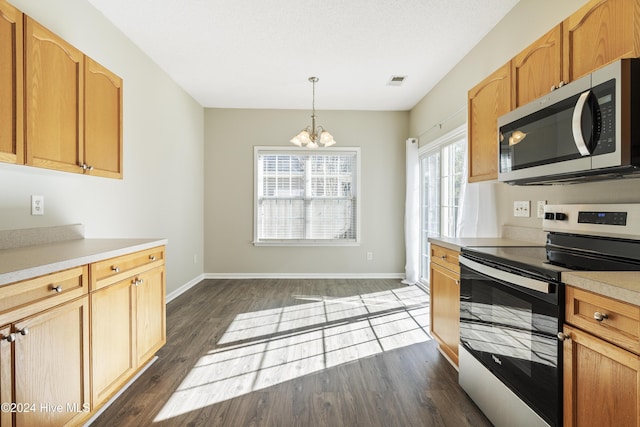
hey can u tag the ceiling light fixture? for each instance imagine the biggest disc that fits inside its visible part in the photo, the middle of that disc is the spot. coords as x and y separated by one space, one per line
312 137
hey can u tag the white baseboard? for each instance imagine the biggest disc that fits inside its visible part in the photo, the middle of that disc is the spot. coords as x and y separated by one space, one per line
304 276
184 288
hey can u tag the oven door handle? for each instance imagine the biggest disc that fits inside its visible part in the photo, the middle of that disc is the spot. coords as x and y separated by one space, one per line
505 276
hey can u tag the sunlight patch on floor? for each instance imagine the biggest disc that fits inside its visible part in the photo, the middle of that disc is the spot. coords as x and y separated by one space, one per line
268 347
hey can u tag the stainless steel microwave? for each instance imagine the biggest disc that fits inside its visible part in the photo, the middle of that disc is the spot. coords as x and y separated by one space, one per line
588 129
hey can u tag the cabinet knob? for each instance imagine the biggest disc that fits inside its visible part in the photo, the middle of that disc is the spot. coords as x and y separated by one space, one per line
9 338
57 289
553 87
561 84
563 337
115 269
137 281
23 331
443 256
152 257
86 167
600 316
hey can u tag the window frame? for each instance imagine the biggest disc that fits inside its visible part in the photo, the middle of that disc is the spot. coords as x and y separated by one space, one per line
436 147
280 150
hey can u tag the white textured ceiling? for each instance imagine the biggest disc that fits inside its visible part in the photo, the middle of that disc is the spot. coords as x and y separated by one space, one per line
259 53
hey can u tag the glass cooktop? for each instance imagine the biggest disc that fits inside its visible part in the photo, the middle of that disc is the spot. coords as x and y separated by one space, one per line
529 260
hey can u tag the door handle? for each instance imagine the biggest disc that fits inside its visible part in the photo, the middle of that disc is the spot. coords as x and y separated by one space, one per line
576 124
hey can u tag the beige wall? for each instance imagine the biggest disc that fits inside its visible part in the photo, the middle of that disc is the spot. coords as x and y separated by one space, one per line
446 104
161 194
209 222
230 136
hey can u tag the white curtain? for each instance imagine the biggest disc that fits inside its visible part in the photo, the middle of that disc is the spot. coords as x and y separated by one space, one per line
412 214
478 216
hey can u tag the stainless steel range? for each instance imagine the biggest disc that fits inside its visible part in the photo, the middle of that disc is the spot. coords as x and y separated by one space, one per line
512 308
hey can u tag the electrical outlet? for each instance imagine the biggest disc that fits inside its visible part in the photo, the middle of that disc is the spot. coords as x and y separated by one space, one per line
541 204
521 208
369 256
37 205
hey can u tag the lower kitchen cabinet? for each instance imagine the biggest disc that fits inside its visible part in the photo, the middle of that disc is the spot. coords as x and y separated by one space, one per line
601 364
128 326
444 289
45 362
601 382
68 344
151 315
113 351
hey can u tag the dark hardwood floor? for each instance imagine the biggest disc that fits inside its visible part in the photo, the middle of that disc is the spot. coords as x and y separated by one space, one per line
297 353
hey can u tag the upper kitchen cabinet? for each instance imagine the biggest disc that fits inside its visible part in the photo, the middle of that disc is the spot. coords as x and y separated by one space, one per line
488 100
11 142
538 69
53 100
600 32
102 121
72 106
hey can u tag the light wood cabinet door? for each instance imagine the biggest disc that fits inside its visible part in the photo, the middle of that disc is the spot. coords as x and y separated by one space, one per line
444 290
103 121
51 365
11 88
112 347
53 100
488 100
537 69
600 32
601 382
150 311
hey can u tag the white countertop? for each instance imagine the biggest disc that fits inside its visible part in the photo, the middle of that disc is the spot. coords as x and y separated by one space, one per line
32 261
457 243
620 285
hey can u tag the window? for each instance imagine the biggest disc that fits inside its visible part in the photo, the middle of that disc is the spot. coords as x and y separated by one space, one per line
442 179
306 197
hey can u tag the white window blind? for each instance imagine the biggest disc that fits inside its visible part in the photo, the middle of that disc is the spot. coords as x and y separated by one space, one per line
305 196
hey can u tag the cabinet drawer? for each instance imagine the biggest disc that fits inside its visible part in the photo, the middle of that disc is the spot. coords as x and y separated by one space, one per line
104 273
30 296
619 324
445 257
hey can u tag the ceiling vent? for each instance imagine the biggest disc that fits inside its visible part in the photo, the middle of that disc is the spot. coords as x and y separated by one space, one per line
396 80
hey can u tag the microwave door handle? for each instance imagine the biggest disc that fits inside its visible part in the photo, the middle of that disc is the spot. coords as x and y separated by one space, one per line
576 124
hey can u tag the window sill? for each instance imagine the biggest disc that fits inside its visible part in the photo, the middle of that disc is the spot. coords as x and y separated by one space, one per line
303 243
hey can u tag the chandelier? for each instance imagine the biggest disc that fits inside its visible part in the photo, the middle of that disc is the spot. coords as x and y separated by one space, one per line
312 137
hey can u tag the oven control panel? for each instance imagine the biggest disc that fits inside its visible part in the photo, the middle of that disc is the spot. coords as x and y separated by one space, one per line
609 220
604 217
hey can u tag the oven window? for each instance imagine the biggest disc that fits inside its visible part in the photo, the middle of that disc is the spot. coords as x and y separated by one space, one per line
513 334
